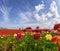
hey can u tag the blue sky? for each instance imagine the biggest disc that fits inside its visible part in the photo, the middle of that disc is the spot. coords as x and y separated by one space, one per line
29 13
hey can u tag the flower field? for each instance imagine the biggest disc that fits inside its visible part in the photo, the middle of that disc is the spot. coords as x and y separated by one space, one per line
32 41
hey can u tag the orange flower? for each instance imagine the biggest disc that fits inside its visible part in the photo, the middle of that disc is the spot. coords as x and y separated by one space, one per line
58 40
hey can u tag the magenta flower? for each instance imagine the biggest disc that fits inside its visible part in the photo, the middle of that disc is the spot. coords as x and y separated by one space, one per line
58 33
59 48
49 30
19 36
36 36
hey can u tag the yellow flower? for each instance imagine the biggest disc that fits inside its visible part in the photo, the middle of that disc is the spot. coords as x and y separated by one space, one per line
55 31
11 42
23 34
15 34
31 33
1 36
48 36
35 44
47 32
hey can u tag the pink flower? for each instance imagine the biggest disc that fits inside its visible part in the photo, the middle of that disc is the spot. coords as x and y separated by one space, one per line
19 36
36 36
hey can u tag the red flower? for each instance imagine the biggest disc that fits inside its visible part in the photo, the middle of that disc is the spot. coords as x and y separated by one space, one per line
19 36
54 39
36 36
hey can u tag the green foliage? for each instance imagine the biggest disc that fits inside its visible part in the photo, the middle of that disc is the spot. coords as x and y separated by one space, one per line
27 43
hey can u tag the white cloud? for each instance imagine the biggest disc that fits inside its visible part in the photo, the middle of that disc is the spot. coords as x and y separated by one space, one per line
57 20
27 16
54 9
39 7
23 16
42 2
45 19
53 6
37 17
52 14
40 18
33 25
49 14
